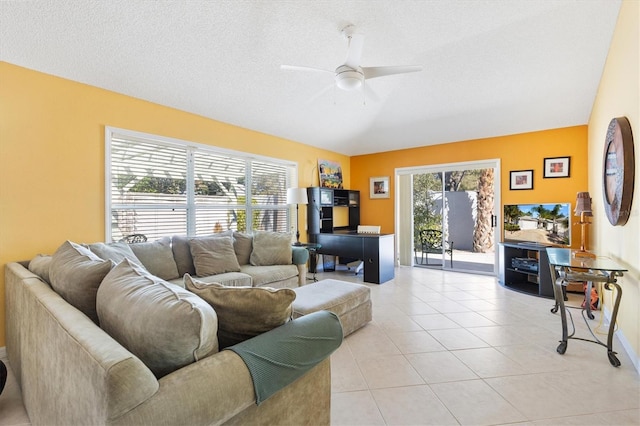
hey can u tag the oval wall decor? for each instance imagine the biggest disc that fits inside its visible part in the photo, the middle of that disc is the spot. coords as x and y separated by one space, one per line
618 171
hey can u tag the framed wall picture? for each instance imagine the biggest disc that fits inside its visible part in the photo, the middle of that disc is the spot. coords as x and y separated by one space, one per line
330 174
379 187
557 167
521 179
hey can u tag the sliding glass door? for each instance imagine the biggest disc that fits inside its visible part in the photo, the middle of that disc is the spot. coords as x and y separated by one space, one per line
453 216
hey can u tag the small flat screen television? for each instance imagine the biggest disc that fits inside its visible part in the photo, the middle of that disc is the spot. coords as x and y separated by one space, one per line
547 224
326 197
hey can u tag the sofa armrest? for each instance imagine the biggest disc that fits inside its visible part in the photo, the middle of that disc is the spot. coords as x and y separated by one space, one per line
299 255
209 391
53 346
281 356
219 388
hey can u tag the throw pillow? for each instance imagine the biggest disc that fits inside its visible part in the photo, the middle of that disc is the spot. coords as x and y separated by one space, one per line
157 257
243 246
271 248
164 325
213 255
115 252
41 265
182 255
244 312
182 252
76 274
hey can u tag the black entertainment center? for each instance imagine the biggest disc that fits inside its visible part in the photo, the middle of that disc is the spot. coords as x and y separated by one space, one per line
524 267
342 239
528 230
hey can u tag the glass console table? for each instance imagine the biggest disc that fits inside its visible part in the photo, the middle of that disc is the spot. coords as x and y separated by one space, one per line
566 267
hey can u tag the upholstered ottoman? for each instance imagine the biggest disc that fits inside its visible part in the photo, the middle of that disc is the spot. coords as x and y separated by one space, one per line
351 302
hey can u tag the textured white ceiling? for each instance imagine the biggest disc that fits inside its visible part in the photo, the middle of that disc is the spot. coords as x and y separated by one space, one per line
491 67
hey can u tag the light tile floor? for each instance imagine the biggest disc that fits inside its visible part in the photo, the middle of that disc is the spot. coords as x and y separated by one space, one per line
448 348
452 348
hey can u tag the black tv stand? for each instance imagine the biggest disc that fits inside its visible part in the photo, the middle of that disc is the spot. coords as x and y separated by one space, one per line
521 275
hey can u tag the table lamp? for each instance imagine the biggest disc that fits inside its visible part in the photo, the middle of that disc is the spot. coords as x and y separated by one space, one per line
583 209
297 196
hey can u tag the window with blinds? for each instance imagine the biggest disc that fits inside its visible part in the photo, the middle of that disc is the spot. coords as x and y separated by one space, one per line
161 187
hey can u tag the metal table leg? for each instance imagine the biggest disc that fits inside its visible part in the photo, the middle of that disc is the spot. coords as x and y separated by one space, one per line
611 354
561 277
558 284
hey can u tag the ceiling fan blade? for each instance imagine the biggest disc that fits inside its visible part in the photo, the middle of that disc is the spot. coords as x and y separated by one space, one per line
373 72
354 54
369 93
320 93
300 68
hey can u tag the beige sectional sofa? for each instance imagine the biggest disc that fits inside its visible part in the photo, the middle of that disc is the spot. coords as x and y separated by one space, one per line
71 371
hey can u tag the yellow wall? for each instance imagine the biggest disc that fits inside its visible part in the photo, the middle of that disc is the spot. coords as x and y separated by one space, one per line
619 95
52 158
525 151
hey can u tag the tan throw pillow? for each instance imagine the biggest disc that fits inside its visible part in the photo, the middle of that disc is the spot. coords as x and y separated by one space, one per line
164 325
244 312
243 246
213 256
157 257
115 252
182 255
76 274
271 248
182 252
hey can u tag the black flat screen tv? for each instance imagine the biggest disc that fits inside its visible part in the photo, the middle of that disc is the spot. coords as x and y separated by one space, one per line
547 224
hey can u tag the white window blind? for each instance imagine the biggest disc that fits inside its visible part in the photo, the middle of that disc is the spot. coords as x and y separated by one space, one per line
160 187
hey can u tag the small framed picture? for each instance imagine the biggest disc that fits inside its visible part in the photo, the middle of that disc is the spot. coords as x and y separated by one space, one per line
557 167
521 179
379 187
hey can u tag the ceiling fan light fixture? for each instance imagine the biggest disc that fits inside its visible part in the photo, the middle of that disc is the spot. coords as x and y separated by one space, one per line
349 79
351 76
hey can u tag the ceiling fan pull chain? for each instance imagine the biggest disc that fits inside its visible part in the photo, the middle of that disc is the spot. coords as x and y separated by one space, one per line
364 88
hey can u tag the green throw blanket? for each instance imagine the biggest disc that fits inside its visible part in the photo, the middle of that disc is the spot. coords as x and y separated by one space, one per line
280 356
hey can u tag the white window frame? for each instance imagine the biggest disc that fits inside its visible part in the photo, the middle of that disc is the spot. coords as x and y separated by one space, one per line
192 148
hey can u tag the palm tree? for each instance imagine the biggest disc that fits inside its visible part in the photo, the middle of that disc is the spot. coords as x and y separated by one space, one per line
483 231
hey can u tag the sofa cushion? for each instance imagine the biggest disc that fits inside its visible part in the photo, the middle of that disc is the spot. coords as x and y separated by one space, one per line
271 248
228 279
164 325
157 257
265 275
76 274
213 255
115 252
244 312
41 265
243 246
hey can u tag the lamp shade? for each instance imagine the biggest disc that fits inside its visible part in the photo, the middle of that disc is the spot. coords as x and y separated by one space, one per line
583 204
297 196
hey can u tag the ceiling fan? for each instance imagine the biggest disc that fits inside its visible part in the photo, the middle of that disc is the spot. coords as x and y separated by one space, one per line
350 75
